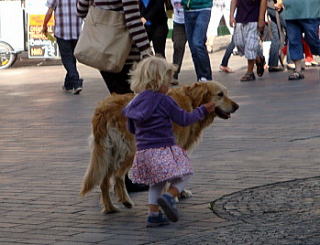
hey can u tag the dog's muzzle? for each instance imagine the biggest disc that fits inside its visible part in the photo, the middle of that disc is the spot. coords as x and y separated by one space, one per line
224 114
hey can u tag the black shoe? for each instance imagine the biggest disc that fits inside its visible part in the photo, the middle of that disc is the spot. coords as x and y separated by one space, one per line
131 187
260 66
275 69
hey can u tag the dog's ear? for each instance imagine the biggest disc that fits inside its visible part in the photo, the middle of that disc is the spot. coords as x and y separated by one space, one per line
199 93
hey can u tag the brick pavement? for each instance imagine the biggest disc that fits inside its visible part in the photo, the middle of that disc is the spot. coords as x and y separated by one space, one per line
44 152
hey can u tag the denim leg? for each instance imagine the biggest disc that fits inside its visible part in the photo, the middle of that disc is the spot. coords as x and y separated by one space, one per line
228 53
179 43
294 32
190 22
311 30
66 48
196 28
275 46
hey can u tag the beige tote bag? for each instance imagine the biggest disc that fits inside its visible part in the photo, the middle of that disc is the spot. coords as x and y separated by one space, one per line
104 42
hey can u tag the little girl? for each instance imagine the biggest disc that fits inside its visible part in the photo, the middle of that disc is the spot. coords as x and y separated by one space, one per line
158 159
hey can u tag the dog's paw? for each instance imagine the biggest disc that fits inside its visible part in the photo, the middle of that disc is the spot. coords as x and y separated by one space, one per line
185 194
110 210
128 204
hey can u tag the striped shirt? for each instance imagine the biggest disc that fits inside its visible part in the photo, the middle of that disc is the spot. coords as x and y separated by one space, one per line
130 8
67 24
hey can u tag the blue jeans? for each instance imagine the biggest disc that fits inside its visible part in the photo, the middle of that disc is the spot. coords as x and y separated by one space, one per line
295 28
66 48
196 23
275 45
227 53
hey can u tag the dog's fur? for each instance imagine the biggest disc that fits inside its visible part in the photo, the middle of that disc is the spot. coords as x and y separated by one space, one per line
113 147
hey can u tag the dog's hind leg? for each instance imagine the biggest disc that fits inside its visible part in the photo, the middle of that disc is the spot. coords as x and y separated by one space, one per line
105 195
120 187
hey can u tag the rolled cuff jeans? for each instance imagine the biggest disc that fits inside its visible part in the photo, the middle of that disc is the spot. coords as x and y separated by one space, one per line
295 28
196 24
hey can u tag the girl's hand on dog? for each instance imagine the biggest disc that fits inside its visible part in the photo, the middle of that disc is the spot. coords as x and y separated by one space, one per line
210 106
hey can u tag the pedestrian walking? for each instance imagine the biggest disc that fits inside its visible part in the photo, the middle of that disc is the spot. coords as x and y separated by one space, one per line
154 18
225 60
118 82
249 23
196 17
179 37
301 17
67 29
158 159
275 33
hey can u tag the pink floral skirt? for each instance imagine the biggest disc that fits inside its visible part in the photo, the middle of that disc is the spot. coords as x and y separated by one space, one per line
156 165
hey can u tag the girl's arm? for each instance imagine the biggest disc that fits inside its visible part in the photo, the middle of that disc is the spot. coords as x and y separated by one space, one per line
184 118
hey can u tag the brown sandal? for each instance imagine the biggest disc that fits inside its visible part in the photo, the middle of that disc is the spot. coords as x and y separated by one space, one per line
248 77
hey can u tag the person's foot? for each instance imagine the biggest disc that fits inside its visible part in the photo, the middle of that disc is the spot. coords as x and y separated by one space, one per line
156 221
203 79
308 64
296 76
291 66
314 63
168 205
249 76
77 90
78 87
260 62
275 69
225 69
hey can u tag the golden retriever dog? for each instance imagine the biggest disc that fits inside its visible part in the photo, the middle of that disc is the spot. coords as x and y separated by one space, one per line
113 146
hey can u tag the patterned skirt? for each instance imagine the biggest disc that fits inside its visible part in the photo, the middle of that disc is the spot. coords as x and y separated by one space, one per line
156 165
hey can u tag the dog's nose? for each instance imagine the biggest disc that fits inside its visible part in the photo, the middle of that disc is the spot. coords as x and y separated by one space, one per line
235 107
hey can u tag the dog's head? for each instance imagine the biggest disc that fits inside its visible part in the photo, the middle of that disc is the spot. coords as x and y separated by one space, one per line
201 93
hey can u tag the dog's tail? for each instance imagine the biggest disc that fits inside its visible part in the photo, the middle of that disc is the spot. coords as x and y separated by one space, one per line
97 168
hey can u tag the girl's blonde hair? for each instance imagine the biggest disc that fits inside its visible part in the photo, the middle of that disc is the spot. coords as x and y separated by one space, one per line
150 74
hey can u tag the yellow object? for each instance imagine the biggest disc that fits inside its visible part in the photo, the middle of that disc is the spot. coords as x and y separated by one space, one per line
51 37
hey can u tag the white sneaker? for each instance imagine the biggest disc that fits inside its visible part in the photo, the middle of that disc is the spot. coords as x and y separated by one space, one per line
203 79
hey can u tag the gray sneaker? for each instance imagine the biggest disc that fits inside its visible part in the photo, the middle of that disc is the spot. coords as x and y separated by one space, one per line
168 205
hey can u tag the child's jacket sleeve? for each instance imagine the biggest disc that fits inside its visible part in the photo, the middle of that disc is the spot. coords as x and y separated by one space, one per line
180 116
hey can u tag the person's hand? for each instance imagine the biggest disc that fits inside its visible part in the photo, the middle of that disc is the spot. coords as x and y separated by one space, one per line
210 106
143 20
278 6
147 53
232 21
44 30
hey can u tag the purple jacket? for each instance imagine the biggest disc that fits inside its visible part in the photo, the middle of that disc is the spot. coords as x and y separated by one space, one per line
150 116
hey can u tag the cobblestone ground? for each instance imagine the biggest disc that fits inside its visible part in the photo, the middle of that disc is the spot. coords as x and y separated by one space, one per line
280 213
273 137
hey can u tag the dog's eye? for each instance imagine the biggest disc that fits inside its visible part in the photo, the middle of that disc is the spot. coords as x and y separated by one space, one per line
220 94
